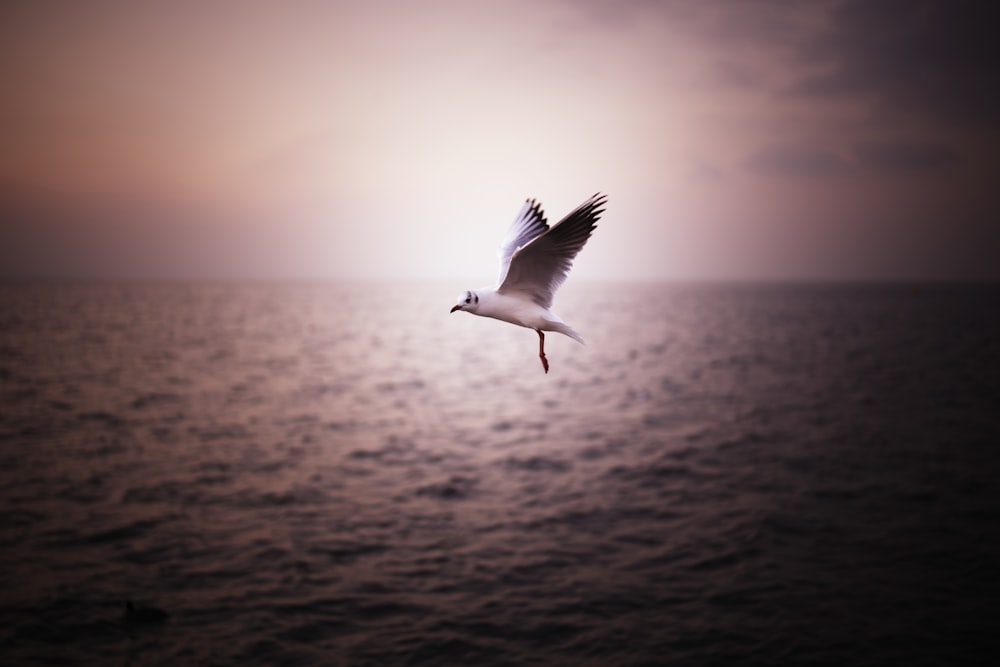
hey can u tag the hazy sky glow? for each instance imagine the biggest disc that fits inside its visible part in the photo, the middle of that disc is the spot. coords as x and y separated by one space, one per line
744 139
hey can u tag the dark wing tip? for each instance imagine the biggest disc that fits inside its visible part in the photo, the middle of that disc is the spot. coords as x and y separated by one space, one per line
593 207
535 210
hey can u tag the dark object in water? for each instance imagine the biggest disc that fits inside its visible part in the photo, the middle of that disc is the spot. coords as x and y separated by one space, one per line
137 616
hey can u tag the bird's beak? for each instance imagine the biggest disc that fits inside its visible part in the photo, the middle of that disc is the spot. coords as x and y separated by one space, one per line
454 308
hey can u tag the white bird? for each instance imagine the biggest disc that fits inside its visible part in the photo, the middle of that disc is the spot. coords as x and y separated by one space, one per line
534 261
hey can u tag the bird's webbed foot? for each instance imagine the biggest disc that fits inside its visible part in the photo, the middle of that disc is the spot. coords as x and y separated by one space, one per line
541 350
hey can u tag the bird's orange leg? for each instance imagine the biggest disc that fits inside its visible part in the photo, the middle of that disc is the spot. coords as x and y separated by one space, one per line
541 350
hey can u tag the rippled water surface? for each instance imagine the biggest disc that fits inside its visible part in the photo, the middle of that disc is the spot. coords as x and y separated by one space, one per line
349 475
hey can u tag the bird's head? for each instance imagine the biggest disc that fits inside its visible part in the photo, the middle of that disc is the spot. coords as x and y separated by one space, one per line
467 301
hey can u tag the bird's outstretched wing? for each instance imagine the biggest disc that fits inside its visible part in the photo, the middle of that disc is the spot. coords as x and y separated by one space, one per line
529 224
538 268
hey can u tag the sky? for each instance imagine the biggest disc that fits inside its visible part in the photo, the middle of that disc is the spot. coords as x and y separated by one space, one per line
736 139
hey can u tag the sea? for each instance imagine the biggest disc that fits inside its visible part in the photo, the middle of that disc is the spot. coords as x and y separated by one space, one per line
348 474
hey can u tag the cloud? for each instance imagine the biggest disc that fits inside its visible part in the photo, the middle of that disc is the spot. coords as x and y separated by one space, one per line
931 58
738 75
894 155
905 156
795 161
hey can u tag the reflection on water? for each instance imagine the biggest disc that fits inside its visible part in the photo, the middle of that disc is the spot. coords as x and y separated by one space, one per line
338 474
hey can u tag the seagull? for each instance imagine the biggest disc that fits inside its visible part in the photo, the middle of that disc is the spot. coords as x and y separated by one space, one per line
137 619
534 261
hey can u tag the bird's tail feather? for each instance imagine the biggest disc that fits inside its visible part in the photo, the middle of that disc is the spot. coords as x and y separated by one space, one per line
565 329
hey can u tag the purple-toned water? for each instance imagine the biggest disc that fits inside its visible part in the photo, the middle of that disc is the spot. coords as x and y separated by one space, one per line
347 474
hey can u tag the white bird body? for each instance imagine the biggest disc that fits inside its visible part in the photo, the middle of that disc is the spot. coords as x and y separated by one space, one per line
534 261
520 311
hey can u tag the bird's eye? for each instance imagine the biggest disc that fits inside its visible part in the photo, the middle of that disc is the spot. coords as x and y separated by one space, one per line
468 300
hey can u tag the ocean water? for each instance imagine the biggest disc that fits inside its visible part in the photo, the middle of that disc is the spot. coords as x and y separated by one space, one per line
333 474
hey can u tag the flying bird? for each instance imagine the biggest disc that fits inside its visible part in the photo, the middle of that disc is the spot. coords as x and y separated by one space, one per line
534 261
